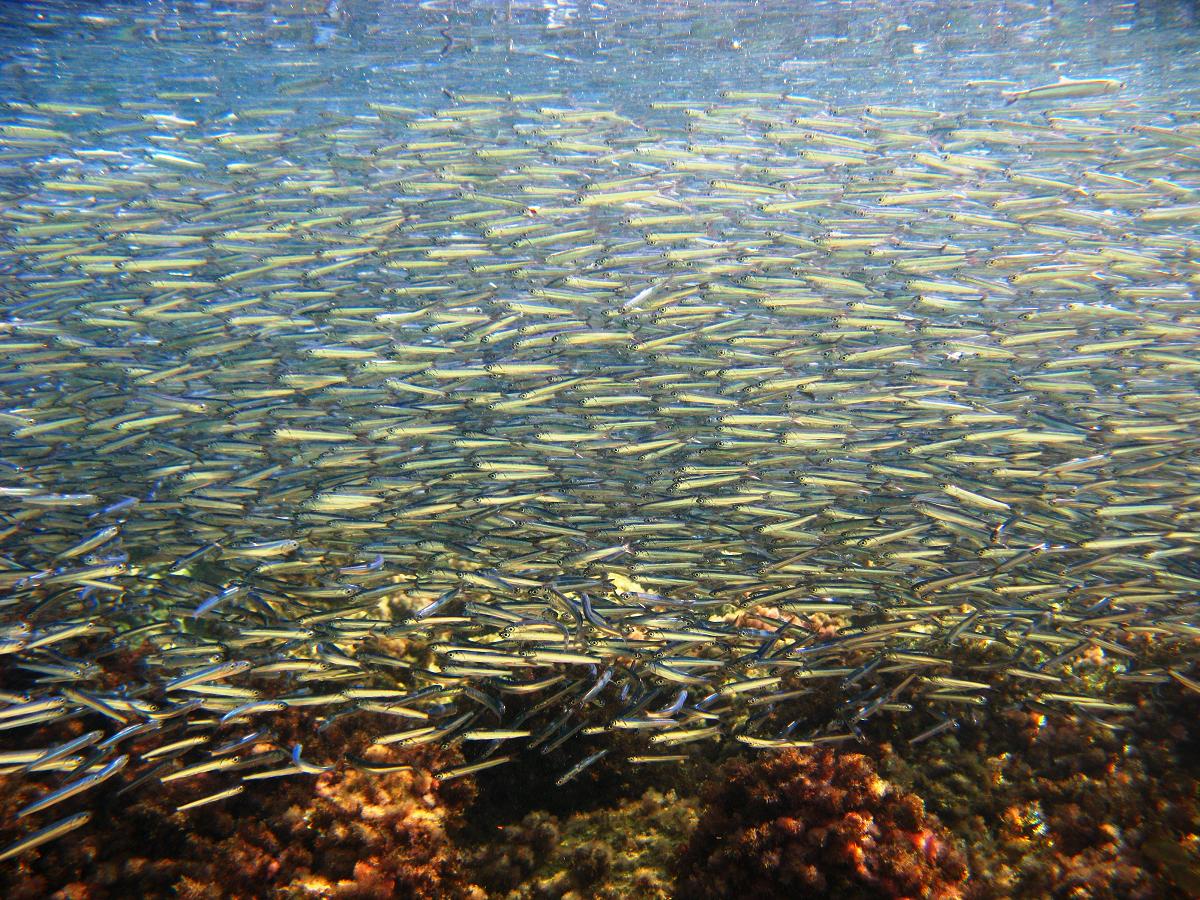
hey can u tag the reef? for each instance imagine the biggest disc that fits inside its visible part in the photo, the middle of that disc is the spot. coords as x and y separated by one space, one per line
342 834
1024 802
1058 806
819 822
1030 805
611 853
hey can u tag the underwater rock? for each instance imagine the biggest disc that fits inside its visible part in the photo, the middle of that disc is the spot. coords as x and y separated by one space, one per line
611 853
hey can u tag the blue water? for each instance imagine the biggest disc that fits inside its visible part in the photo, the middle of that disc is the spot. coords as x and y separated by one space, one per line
620 53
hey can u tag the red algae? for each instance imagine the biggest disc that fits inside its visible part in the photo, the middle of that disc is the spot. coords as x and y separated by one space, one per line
815 823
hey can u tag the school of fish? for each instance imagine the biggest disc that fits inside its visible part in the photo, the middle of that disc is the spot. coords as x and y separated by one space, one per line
518 424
